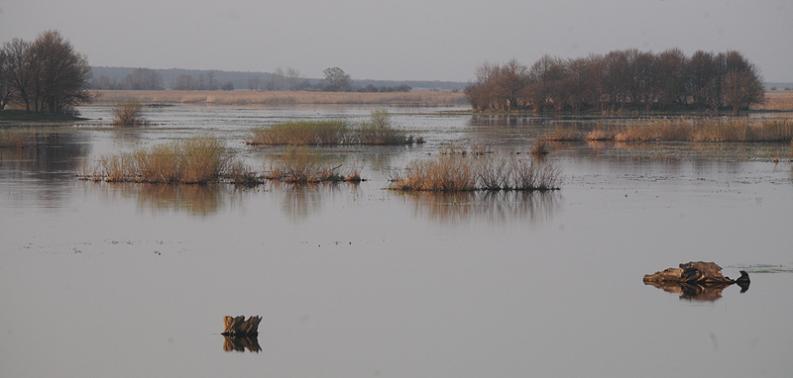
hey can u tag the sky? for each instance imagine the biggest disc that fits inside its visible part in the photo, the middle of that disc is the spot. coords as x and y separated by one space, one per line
400 39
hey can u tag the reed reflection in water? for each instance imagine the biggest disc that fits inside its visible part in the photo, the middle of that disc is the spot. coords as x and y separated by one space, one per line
695 292
241 344
483 206
197 200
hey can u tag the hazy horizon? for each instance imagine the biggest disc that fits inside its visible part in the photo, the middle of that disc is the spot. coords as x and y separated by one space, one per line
405 40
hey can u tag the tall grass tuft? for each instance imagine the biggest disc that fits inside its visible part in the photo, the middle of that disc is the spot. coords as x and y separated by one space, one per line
128 114
193 161
448 173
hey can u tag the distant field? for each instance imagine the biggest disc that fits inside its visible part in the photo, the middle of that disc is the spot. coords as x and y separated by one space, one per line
414 98
776 100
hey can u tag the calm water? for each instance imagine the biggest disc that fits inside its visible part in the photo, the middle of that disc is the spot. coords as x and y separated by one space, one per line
355 281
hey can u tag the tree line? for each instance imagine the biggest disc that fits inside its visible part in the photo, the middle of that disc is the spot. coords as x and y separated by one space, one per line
46 75
620 80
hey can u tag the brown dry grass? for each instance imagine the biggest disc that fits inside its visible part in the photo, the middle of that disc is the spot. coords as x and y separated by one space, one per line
193 161
450 173
776 101
128 114
245 97
709 130
302 166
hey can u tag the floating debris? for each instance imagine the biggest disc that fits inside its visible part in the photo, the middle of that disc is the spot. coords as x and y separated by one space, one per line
240 327
696 280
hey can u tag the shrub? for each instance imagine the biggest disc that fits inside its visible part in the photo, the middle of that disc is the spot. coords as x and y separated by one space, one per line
128 114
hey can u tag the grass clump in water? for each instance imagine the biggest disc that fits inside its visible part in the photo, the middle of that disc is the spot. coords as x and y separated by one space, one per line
197 160
300 165
448 173
377 131
128 114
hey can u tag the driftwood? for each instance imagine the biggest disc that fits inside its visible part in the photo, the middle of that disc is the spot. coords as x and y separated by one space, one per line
696 280
241 344
240 327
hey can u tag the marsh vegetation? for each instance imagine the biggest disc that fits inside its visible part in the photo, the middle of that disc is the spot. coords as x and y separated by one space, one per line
128 114
450 173
706 130
376 131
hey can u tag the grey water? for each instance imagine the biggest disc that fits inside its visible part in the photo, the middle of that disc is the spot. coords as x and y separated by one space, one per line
133 280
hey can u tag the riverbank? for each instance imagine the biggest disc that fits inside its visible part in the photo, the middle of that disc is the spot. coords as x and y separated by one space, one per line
247 97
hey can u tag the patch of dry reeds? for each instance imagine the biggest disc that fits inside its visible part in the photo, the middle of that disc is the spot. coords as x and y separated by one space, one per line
301 166
245 97
448 173
128 114
193 161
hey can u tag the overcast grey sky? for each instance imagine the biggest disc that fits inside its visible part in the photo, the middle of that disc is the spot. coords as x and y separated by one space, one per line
399 39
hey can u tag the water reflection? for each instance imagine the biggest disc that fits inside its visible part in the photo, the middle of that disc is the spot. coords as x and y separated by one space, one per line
695 292
300 201
484 206
241 344
197 200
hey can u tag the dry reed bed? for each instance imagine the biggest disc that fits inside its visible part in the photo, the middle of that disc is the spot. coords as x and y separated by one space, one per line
128 114
203 160
247 97
299 165
698 131
776 101
375 132
449 173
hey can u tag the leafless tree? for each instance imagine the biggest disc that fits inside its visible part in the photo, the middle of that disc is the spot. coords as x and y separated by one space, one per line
336 79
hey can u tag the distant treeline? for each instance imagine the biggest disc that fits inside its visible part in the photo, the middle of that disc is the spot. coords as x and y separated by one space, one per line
281 79
620 80
46 75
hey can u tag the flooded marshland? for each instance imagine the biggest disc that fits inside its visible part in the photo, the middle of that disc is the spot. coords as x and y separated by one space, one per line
100 279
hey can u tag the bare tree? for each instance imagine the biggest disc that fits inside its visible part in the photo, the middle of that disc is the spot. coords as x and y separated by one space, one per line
5 80
336 79
47 75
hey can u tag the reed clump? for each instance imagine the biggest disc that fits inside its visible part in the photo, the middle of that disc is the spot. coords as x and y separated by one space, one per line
301 166
376 131
448 173
197 160
128 114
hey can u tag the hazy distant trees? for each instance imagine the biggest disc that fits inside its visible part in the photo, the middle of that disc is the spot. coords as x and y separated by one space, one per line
5 79
336 79
627 79
143 79
47 75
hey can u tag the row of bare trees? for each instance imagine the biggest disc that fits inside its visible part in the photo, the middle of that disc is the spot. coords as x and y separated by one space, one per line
619 80
46 75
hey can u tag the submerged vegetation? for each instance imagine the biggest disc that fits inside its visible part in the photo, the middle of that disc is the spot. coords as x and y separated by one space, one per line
620 80
449 173
16 138
377 131
707 130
